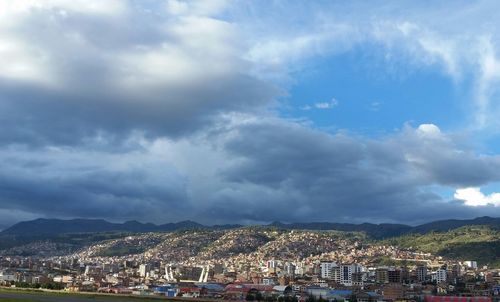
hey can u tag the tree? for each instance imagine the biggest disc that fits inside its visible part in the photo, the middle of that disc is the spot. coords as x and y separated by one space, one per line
311 298
258 296
250 297
269 298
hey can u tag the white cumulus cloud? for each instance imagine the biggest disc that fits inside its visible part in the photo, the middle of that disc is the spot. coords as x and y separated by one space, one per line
474 197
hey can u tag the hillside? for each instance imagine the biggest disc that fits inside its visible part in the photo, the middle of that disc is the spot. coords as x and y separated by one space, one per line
59 237
481 243
253 244
44 227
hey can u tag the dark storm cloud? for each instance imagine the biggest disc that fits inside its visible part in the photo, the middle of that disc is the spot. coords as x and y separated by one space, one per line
313 174
256 170
68 187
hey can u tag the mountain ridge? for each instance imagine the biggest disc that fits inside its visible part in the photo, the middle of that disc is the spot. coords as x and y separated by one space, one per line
44 226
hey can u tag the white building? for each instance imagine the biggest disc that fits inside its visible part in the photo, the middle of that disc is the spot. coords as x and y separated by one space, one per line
143 270
326 269
300 269
289 269
271 264
439 276
7 277
471 264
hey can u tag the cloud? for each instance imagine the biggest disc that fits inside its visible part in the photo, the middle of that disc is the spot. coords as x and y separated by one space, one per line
474 197
324 175
321 105
375 106
327 105
163 111
71 72
284 40
249 169
429 130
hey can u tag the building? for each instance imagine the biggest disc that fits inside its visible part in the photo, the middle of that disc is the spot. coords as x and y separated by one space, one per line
289 269
335 274
421 272
456 299
470 264
439 276
143 270
394 275
7 277
271 264
346 273
393 291
326 269
382 275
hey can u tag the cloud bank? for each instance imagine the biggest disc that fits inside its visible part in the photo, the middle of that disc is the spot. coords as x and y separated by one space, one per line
165 110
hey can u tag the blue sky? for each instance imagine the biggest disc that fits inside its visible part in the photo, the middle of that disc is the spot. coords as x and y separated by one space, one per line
373 100
249 111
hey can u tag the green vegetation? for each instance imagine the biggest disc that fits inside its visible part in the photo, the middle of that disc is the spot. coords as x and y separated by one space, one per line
480 243
48 285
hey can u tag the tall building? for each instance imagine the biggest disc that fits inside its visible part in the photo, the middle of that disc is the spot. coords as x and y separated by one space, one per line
421 271
143 270
346 273
394 275
440 275
289 269
336 274
326 269
381 275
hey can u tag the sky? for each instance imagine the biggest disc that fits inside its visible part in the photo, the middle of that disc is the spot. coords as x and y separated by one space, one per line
249 111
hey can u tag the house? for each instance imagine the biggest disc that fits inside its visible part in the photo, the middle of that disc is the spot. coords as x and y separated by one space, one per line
189 291
211 290
239 291
367 297
339 295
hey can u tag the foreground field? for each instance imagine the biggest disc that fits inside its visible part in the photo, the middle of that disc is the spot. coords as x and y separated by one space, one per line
33 296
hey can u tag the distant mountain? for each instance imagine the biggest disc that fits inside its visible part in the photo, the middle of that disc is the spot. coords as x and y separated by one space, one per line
387 230
46 227
54 227
447 225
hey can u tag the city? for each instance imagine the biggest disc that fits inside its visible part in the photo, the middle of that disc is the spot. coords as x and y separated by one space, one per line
252 263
